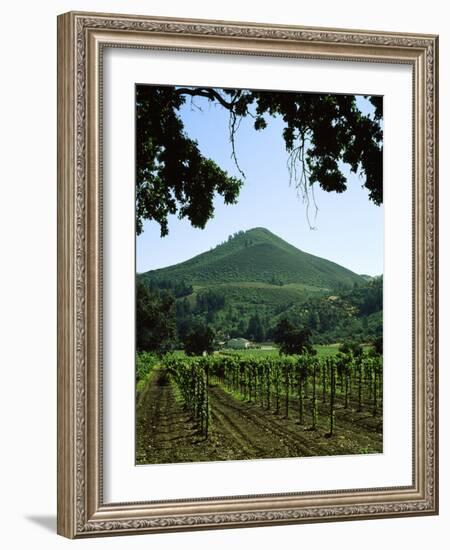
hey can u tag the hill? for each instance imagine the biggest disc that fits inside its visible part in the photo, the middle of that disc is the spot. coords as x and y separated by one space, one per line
258 256
244 286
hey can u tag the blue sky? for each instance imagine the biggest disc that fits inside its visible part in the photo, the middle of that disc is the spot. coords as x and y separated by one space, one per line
348 228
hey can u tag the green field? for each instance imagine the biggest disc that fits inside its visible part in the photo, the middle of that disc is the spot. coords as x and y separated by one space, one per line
323 350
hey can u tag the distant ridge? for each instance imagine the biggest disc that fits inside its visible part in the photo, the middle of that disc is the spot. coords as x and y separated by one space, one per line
258 256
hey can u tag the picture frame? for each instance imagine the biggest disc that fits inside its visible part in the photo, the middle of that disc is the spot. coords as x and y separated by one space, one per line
82 40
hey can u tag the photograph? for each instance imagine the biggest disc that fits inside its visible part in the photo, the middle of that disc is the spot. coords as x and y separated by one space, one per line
247 272
259 274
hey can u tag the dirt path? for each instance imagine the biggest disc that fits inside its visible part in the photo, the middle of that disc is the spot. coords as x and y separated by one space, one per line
162 424
239 430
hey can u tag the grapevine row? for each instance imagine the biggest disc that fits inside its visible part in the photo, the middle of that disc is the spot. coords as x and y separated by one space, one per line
191 377
283 385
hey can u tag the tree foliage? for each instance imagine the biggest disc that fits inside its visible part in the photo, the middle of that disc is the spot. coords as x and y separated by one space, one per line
292 340
377 345
199 340
255 330
155 319
171 173
321 131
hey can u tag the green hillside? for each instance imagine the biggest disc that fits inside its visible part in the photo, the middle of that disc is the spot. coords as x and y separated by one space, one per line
245 285
258 256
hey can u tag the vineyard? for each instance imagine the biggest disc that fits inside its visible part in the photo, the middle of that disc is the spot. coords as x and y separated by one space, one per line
228 406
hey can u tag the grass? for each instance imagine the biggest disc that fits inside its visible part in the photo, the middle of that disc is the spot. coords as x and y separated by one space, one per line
145 366
142 382
252 352
323 350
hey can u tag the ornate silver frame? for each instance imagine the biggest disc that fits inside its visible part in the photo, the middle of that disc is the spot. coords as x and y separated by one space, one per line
81 510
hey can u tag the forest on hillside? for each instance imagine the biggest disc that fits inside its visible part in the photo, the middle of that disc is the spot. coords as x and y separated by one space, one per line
167 313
